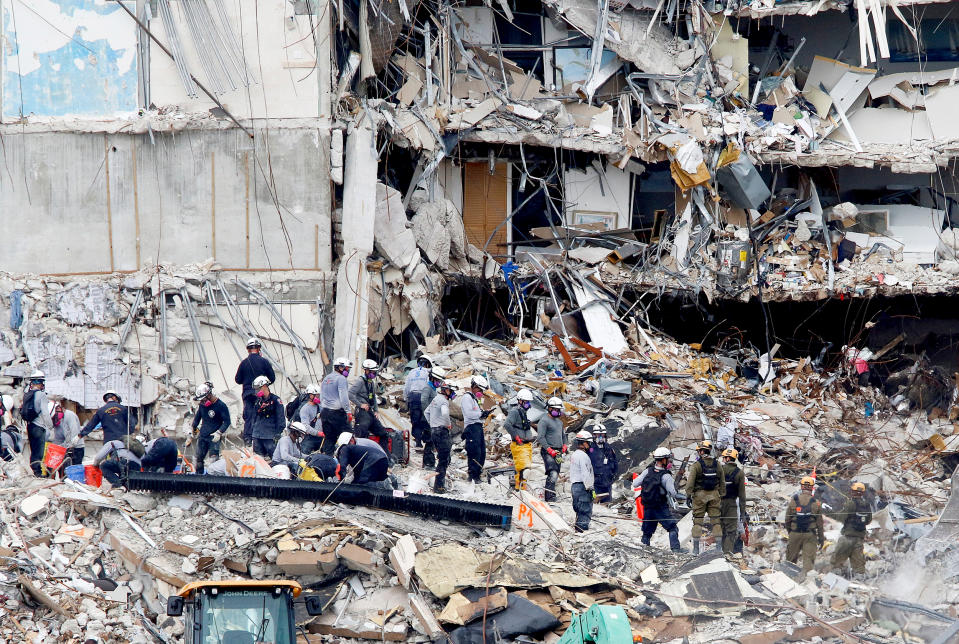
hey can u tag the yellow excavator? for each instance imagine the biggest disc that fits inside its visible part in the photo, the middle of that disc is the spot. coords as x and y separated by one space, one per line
241 611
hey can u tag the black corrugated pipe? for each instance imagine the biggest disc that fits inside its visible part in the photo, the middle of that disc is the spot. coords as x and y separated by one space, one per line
424 505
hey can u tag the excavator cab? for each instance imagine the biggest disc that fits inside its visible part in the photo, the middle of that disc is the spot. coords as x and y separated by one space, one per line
239 612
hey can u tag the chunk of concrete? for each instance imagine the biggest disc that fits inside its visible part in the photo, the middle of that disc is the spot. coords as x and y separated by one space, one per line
402 558
359 559
33 505
426 622
303 562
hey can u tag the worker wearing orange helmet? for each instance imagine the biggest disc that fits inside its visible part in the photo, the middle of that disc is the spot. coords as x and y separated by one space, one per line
732 508
855 515
706 486
804 523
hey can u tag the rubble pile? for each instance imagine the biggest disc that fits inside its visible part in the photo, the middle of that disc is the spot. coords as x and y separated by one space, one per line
84 563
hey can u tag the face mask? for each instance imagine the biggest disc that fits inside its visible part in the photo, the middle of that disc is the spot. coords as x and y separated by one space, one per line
555 413
261 394
315 400
477 393
370 375
346 373
452 395
600 440
525 404
208 402
57 417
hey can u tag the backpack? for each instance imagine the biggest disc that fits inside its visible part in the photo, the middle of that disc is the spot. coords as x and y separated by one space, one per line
710 475
293 407
28 411
804 516
653 494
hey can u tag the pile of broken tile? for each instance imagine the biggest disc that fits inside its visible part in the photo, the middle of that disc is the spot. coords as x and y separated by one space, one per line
79 563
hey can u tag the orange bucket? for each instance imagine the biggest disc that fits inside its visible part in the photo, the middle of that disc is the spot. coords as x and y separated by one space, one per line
93 475
53 456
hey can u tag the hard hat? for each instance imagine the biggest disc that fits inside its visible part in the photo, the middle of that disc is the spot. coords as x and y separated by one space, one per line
583 435
731 453
111 392
343 439
202 391
37 375
524 394
662 452
312 389
298 427
808 481
479 381
260 381
858 487
704 445
370 365
554 402
253 343
437 373
343 362
424 358
599 428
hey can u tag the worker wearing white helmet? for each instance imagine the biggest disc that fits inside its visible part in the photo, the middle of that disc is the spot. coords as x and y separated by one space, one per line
33 411
436 377
66 431
287 451
335 403
251 367
605 464
439 438
269 418
363 394
552 447
521 432
473 415
416 382
116 420
309 415
210 423
655 487
581 481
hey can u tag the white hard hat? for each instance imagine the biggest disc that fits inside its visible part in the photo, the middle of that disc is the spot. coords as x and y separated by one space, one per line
37 375
524 394
253 343
370 365
343 439
202 391
583 435
599 428
342 362
479 381
312 389
554 402
438 373
662 452
298 427
111 392
259 381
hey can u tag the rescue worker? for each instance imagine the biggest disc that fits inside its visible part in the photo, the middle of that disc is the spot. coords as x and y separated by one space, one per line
210 423
438 417
115 459
66 432
655 486
732 508
309 416
33 411
268 418
160 454
473 416
804 524
363 460
335 402
427 394
855 515
11 442
416 381
251 368
521 432
112 417
287 451
706 486
549 436
605 464
581 481
363 394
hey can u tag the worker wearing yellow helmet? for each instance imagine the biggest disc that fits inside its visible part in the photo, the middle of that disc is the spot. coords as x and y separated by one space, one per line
804 524
706 486
855 515
732 508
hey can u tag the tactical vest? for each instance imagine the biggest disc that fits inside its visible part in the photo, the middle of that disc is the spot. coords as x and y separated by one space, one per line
653 494
710 475
370 393
804 515
860 518
732 490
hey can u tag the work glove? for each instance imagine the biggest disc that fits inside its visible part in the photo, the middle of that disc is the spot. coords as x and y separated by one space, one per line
349 418
519 441
348 477
216 437
565 448
593 493
552 452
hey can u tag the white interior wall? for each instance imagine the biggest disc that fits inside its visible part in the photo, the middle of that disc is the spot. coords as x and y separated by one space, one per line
584 191
449 182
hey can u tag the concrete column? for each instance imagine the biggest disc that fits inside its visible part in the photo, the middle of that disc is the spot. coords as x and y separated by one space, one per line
359 214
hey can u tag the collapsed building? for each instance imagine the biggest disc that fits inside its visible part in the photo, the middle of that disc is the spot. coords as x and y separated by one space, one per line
524 188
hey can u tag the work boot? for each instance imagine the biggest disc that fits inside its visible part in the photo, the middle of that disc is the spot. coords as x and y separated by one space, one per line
644 541
695 546
674 541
